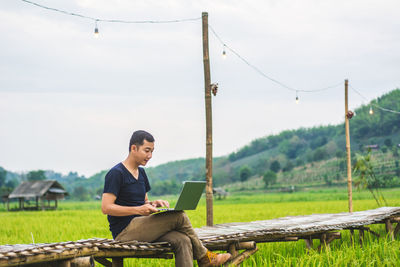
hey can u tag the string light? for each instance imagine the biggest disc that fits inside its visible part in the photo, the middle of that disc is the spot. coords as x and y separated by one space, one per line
96 30
373 104
297 98
224 52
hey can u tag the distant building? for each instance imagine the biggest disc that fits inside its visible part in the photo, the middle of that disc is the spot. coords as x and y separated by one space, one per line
219 192
374 147
38 192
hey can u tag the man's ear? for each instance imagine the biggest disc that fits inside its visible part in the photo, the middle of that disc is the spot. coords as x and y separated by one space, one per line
133 148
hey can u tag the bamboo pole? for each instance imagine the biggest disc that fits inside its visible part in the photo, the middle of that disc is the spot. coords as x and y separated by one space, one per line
349 183
207 87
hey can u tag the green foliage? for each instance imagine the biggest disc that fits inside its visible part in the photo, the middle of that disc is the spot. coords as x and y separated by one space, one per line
244 173
366 177
165 187
36 175
275 166
81 193
388 142
319 154
269 178
395 151
288 167
3 174
328 180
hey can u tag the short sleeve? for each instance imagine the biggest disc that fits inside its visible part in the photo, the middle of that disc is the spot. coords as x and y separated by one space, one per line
146 181
113 182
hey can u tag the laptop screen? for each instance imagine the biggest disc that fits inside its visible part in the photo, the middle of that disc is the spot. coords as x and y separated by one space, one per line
190 195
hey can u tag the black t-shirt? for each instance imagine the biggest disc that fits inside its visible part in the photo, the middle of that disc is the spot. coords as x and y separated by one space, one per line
129 192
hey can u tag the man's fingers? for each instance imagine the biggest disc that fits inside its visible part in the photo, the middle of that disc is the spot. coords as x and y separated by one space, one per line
153 209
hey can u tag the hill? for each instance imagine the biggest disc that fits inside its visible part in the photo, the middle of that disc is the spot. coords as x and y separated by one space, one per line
320 148
302 156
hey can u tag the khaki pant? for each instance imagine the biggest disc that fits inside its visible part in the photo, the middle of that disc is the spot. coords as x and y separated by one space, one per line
173 227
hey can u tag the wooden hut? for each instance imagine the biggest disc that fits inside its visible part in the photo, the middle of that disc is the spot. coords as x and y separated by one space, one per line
219 192
37 192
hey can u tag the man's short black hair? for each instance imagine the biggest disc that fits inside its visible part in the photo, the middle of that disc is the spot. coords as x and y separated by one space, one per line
138 138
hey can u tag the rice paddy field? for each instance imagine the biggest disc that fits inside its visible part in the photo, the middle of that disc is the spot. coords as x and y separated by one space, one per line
82 220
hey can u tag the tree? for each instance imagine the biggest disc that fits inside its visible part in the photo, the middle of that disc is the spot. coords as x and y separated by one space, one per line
319 154
81 193
288 167
244 173
328 180
395 152
269 178
366 177
3 174
388 142
275 166
342 154
36 175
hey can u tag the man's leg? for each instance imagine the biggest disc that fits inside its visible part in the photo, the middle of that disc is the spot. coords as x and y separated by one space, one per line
182 247
150 228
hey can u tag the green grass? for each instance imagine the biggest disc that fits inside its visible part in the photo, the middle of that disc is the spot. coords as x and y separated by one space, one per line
74 221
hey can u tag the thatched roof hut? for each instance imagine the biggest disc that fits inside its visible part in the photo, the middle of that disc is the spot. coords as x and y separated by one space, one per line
39 191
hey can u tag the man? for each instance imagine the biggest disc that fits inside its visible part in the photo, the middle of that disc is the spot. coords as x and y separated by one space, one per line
129 210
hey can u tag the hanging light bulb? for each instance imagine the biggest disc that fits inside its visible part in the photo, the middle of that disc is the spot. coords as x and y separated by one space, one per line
224 53
96 30
371 111
297 98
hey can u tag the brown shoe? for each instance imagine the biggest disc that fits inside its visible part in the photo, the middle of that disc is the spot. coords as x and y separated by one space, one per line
213 259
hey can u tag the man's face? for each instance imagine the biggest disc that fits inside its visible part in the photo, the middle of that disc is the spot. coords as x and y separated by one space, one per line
143 153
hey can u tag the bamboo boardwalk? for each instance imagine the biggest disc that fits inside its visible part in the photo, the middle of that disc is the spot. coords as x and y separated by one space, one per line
231 237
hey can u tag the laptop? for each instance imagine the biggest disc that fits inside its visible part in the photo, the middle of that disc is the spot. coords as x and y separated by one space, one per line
189 196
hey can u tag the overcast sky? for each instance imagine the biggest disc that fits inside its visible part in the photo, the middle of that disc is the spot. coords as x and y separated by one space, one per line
70 102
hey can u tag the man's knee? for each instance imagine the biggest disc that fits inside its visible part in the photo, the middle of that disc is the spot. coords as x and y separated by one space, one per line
177 239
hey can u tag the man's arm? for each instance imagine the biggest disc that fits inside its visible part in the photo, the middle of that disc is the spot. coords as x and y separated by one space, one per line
109 207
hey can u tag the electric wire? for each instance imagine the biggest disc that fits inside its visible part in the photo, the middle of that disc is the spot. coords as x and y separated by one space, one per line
109 20
265 75
373 104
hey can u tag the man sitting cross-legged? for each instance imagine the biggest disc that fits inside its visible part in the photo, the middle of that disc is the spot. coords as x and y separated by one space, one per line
130 213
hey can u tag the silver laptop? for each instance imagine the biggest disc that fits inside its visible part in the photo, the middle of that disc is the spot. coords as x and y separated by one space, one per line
189 196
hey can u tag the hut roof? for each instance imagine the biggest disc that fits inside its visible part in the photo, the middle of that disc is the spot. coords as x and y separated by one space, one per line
37 189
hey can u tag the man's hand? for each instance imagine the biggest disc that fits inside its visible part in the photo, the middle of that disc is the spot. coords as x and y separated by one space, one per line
147 209
160 203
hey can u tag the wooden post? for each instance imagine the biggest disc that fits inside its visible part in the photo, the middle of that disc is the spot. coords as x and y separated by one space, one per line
389 228
232 250
346 109
118 262
207 87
